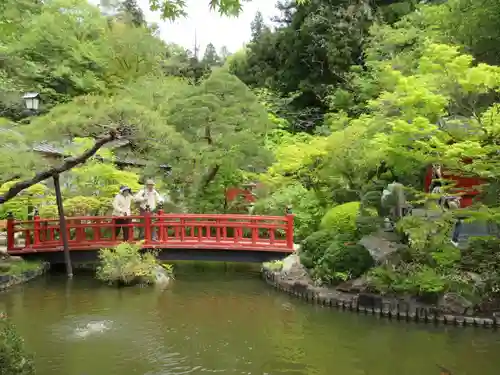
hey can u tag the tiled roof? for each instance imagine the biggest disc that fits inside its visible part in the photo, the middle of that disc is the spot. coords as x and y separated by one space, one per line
47 149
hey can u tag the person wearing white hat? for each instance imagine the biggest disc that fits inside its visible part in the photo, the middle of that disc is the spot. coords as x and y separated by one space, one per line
148 197
121 209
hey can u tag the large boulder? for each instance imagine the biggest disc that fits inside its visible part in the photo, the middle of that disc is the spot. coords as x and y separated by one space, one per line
455 304
162 277
290 262
359 285
293 270
382 246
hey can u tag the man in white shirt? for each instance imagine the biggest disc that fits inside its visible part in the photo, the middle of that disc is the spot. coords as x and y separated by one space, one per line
121 209
148 197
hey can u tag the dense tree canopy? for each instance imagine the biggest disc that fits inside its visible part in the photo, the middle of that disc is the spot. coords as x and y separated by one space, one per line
110 79
325 107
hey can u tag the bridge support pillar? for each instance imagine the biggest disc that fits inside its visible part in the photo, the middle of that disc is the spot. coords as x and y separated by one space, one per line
289 229
11 236
147 225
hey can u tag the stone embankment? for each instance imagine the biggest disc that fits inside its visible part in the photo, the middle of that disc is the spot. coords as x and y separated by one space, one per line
292 278
14 270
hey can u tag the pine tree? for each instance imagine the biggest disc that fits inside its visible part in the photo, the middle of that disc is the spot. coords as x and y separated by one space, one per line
133 13
210 57
257 26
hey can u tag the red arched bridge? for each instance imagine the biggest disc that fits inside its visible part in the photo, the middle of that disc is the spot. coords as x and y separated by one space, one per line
245 238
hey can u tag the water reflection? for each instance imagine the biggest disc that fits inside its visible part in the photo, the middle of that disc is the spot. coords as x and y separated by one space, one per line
216 322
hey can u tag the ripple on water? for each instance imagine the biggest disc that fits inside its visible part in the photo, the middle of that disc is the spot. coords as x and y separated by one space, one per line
77 328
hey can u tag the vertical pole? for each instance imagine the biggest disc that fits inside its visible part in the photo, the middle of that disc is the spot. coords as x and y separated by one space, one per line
62 226
36 227
147 224
11 236
289 227
161 229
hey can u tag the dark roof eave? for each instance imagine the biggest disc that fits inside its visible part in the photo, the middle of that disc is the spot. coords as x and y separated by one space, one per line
54 152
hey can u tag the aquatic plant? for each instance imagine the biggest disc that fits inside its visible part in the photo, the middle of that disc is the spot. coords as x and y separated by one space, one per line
14 360
127 264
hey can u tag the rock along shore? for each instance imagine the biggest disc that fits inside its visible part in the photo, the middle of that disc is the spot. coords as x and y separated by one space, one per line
294 280
7 281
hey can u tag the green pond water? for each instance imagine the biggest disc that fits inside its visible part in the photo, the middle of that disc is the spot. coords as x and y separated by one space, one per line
228 322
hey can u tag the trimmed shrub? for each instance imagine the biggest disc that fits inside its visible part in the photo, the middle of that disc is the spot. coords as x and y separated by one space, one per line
343 260
349 257
342 218
367 221
314 247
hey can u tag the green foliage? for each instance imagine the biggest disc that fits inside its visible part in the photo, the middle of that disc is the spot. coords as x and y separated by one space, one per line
428 240
19 268
305 207
285 60
482 257
337 100
430 266
341 261
126 264
173 9
342 218
35 196
275 265
413 279
14 360
314 246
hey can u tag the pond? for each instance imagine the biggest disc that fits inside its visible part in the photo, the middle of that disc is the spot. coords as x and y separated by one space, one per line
228 322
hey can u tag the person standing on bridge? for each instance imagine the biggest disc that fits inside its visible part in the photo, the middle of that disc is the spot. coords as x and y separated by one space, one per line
148 197
121 209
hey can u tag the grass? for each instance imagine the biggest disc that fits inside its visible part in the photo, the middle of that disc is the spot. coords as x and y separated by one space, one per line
19 268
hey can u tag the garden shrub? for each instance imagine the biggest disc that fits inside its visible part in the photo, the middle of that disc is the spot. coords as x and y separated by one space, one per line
482 257
342 218
314 246
367 221
126 265
410 278
342 260
14 360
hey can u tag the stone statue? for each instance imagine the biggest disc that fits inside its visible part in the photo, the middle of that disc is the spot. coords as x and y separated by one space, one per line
394 199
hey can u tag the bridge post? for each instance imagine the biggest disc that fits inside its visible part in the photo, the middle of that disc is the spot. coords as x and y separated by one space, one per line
160 229
289 227
36 227
147 224
11 241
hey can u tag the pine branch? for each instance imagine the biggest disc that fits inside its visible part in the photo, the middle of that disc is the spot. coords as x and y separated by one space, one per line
68 164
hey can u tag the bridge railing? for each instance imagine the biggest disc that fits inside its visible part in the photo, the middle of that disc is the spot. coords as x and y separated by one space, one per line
157 230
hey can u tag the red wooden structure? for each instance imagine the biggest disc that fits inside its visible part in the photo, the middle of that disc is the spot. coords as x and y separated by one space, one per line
161 231
246 192
466 187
